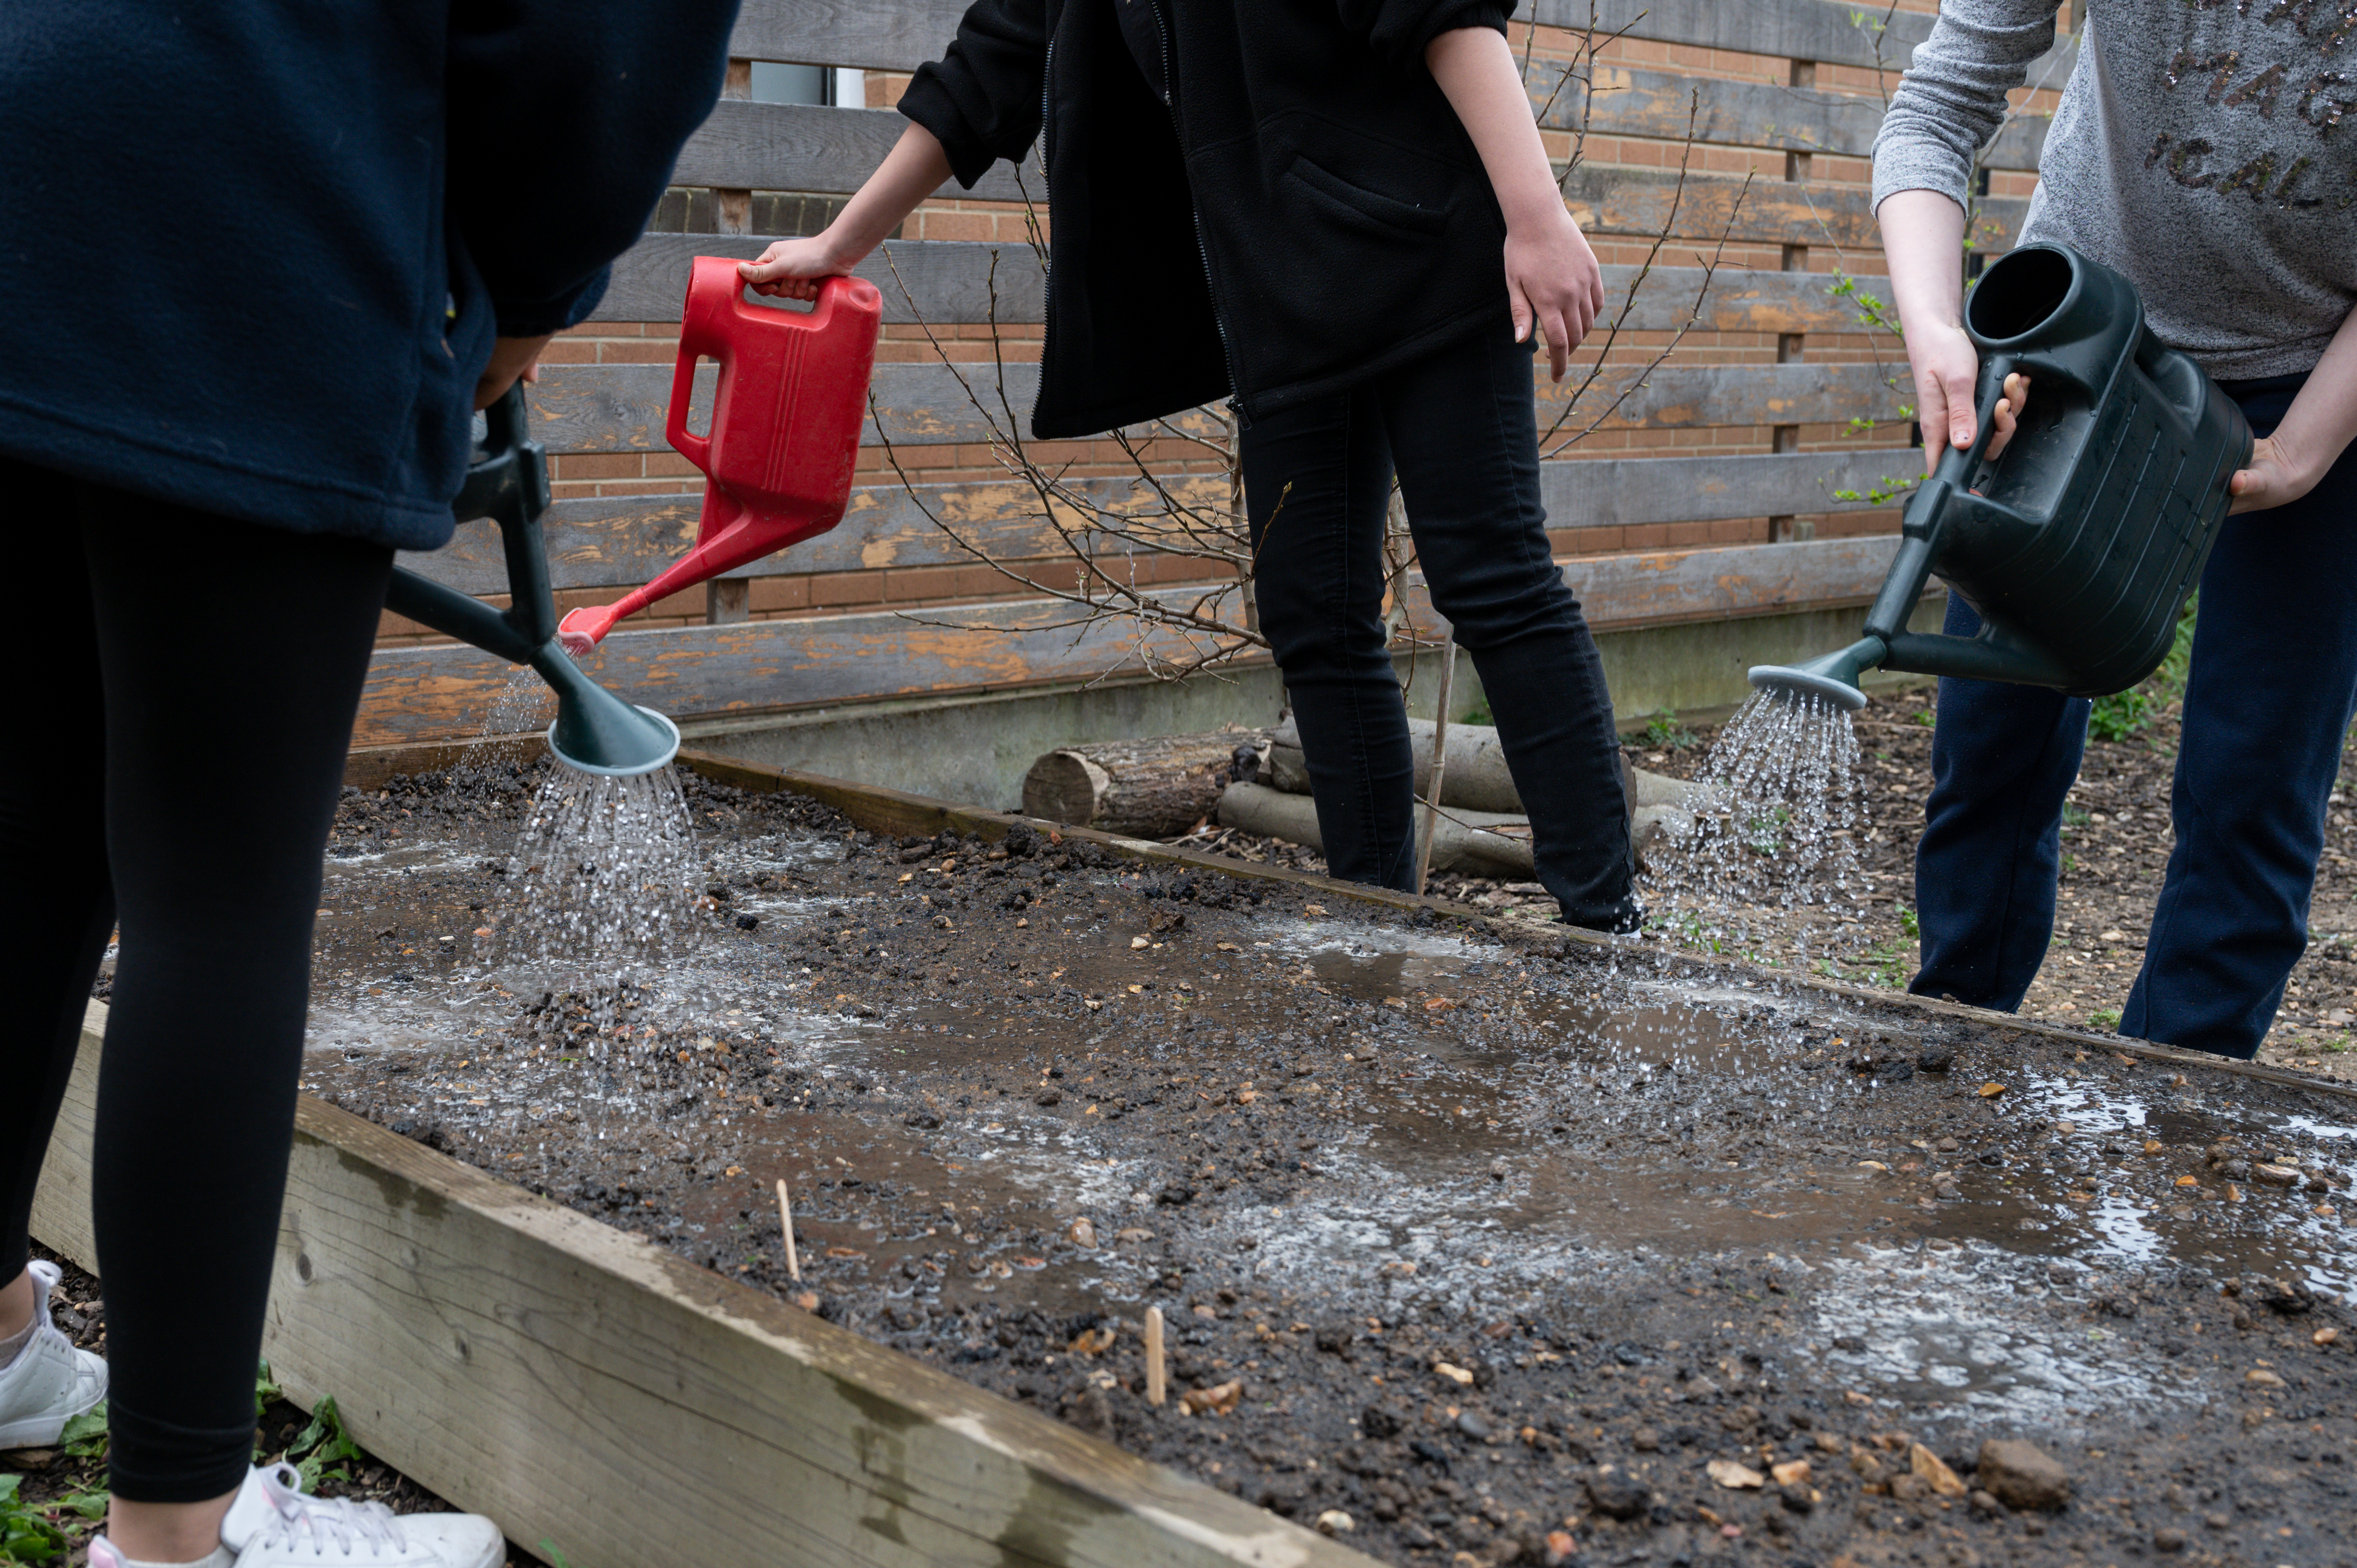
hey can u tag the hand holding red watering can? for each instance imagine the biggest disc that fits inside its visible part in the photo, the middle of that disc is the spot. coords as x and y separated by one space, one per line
784 435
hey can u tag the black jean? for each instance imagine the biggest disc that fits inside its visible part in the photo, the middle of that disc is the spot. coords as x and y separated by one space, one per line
2266 712
181 747
1461 429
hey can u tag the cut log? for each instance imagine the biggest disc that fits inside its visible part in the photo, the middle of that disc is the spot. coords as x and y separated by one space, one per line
1152 788
1482 843
1476 777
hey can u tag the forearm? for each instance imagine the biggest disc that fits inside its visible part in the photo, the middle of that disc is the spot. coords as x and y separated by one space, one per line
1475 67
1923 242
2322 419
915 169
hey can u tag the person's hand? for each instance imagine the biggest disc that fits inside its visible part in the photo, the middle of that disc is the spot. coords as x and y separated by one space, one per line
512 359
1553 283
791 269
2274 478
1947 373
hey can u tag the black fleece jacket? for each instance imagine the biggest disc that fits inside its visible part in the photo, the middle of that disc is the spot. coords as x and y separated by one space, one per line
1306 210
253 254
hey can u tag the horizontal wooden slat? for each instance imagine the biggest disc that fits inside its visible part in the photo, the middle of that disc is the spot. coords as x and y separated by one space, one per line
950 280
939 280
1840 31
1612 199
874 35
619 408
901 35
619 542
437 692
806 146
1625 102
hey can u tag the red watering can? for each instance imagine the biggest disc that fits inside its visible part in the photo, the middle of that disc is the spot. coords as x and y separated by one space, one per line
785 426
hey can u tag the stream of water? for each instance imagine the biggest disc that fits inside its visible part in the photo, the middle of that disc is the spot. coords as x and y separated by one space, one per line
1772 866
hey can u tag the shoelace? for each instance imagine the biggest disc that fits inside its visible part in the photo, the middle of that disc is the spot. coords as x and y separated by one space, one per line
373 1523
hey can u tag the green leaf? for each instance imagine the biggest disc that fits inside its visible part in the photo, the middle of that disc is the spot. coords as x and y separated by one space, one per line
322 1444
554 1556
84 1436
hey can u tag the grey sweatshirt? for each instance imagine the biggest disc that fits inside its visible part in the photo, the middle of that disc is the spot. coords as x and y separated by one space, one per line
2198 150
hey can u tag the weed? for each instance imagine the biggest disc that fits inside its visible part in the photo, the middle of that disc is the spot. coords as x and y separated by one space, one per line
554 1556
2104 1019
1923 716
85 1435
2122 714
1663 733
1479 713
2073 816
324 1443
2119 715
2070 863
1907 923
25 1535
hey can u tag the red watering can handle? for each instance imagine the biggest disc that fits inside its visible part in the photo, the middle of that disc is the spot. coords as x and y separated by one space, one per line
714 292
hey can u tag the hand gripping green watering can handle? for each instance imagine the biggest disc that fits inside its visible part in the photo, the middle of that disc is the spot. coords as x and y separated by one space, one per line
1928 510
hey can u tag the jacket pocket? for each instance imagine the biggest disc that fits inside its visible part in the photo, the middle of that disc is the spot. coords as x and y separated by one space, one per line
1370 207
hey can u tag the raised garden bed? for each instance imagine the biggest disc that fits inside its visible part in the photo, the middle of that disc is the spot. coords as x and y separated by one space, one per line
1498 1241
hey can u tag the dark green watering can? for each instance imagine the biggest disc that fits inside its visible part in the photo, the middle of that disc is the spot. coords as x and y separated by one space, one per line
595 731
2081 544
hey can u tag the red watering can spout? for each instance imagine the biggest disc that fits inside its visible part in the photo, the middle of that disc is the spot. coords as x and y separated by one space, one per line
785 426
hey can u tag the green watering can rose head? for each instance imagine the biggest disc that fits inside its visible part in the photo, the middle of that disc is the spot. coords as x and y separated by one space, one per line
2079 545
595 731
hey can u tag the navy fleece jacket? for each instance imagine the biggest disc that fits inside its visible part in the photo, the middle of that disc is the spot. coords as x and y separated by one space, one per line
254 252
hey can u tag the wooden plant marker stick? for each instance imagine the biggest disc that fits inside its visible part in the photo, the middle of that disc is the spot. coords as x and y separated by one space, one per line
1156 1389
786 1217
1439 758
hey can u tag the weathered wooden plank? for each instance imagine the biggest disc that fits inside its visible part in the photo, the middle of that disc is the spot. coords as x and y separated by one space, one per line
901 35
1688 397
940 281
874 35
809 146
1840 31
447 1312
622 540
1612 199
956 281
1620 102
441 691
619 408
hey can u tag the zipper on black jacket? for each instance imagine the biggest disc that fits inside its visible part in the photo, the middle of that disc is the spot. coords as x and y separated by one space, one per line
1202 249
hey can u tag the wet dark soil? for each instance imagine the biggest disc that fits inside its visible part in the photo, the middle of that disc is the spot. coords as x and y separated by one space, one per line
1505 1249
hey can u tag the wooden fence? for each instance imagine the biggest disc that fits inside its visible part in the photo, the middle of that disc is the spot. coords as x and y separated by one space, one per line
604 543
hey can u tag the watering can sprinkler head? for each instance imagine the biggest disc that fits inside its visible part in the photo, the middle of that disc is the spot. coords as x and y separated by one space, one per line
1833 676
596 731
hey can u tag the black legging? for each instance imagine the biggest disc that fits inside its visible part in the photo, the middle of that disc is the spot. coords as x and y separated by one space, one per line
185 691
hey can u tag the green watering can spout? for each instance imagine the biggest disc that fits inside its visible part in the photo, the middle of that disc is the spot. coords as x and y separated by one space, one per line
2080 544
595 731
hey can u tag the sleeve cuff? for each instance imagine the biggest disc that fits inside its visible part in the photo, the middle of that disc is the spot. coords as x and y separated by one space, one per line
929 103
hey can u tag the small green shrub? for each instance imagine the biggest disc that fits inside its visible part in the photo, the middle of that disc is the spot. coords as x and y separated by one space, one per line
2104 1019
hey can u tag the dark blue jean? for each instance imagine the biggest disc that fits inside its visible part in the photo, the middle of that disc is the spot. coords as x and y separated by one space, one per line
2273 687
1459 428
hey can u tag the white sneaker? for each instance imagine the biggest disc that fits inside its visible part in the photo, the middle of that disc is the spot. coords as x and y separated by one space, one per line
49 1383
272 1524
